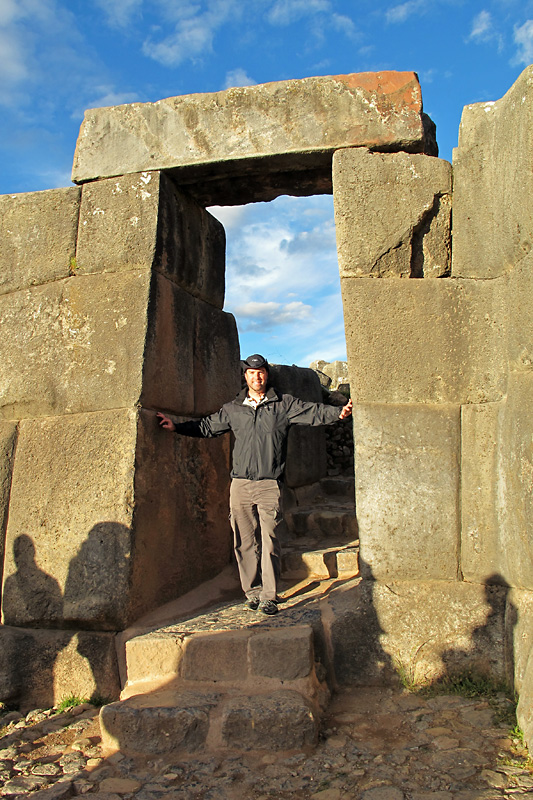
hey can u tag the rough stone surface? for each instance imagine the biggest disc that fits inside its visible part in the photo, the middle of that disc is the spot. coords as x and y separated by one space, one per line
524 711
37 237
155 657
79 505
481 557
8 438
182 532
215 359
519 632
286 654
41 667
272 132
101 341
425 629
158 723
142 220
374 740
407 489
493 202
402 202
73 345
515 483
115 565
279 721
216 657
428 341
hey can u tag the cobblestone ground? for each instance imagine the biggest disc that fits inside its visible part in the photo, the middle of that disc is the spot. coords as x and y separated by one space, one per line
377 744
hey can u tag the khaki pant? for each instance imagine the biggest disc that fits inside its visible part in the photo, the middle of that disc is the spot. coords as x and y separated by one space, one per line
256 519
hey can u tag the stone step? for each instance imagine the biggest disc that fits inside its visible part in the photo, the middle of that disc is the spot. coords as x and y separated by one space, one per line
331 521
307 561
171 721
342 487
222 657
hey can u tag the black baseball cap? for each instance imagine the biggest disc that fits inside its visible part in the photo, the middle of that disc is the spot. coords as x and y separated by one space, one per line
254 362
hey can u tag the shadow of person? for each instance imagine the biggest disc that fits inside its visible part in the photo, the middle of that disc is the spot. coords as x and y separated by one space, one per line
31 597
96 599
490 651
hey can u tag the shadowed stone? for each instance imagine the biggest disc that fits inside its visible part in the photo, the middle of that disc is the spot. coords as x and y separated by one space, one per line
41 667
285 654
8 438
156 723
122 553
217 657
142 220
420 629
280 721
272 138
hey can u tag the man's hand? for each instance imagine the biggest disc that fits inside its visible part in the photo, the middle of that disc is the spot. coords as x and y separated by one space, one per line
346 410
165 422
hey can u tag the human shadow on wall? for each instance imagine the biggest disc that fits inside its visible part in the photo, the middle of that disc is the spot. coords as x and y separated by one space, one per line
31 597
88 610
490 653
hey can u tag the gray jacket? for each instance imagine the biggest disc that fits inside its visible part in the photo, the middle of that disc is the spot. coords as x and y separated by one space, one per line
260 447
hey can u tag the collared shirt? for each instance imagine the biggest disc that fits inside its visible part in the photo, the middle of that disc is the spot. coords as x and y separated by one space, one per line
251 401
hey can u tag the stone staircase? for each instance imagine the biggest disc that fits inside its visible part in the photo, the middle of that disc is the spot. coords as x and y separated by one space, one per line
322 539
224 677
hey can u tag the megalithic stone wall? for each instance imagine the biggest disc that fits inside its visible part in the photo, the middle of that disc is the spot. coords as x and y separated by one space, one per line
493 235
422 344
107 515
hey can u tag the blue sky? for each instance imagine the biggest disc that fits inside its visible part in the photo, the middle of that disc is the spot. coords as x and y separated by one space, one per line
58 57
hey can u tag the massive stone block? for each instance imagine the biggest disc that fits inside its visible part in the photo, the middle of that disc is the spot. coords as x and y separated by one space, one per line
272 137
425 341
73 345
421 629
407 489
181 526
138 516
37 237
39 668
103 341
8 438
493 201
142 220
68 545
392 214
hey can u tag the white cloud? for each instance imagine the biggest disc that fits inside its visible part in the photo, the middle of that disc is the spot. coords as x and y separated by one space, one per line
285 12
120 12
255 315
194 31
230 216
523 37
402 11
482 27
484 30
238 77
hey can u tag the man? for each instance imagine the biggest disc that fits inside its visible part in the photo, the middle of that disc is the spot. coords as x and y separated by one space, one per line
260 418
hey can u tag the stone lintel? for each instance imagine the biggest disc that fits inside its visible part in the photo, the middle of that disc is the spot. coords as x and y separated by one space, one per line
275 135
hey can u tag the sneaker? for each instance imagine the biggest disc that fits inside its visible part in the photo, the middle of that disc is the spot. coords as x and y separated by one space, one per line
252 603
268 607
